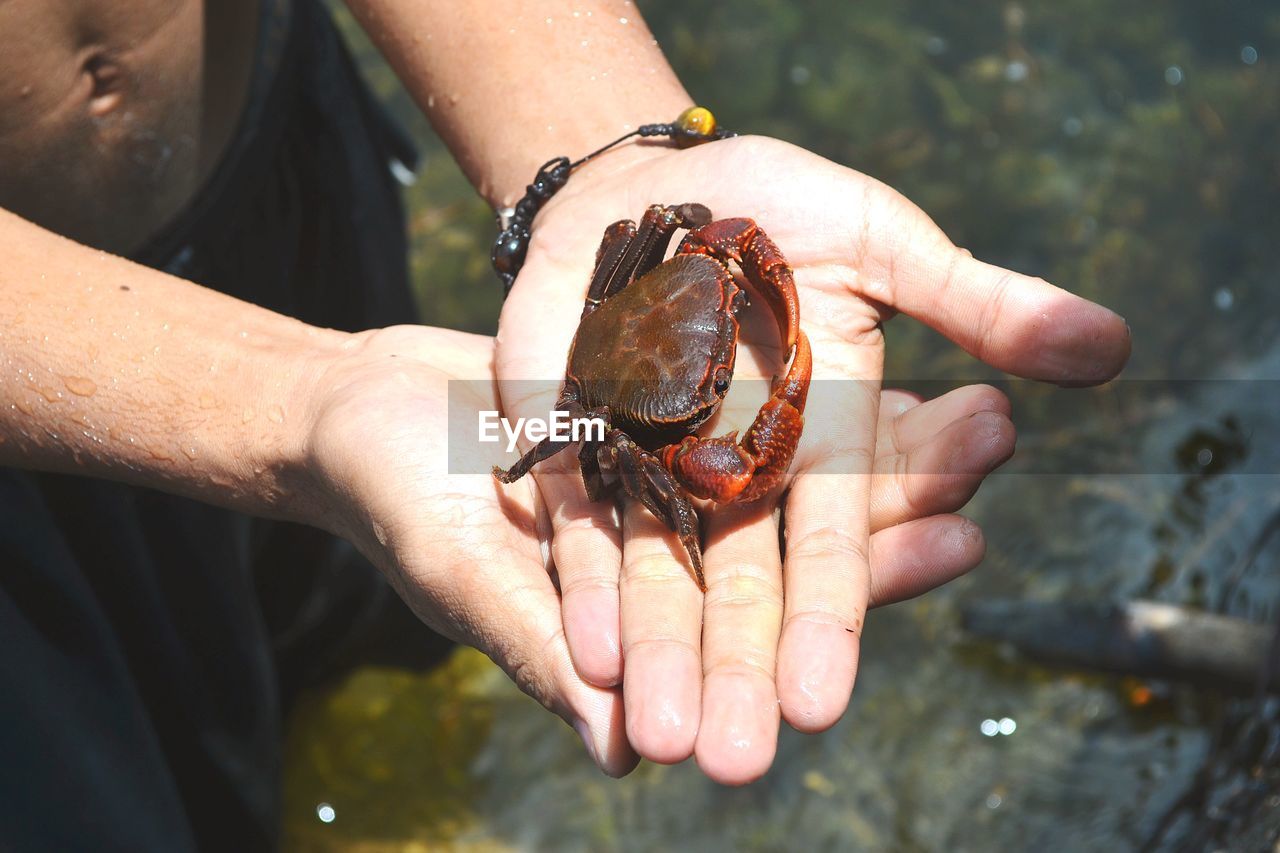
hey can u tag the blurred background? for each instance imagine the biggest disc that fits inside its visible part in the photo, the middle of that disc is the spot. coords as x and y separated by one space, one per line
1127 152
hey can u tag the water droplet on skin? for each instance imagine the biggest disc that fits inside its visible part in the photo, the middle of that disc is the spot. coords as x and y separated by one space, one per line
81 386
623 21
26 92
276 415
157 454
431 102
190 451
380 533
50 395
22 406
454 98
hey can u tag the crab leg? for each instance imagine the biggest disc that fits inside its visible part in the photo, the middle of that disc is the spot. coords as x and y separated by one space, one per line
644 478
628 252
548 447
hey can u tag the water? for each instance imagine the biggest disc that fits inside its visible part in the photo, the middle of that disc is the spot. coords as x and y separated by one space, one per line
1128 154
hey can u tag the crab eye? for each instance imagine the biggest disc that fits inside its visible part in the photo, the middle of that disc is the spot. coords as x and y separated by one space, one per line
721 383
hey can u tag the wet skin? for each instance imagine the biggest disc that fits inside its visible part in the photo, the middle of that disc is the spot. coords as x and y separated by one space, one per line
112 112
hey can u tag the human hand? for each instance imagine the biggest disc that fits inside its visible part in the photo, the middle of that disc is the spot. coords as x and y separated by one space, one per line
706 677
467 553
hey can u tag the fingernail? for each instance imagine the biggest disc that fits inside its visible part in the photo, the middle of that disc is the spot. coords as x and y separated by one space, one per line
584 732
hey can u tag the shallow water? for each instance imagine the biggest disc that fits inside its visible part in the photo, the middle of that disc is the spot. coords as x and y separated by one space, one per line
1128 155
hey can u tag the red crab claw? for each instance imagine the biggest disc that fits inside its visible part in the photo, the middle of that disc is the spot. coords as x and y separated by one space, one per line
724 469
743 242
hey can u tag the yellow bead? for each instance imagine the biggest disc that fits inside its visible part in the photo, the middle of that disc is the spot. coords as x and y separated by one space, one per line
696 124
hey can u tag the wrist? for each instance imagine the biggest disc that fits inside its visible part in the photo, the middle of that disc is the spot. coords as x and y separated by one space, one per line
280 419
505 180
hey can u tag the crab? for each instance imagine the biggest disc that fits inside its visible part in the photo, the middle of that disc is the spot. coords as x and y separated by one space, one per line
653 359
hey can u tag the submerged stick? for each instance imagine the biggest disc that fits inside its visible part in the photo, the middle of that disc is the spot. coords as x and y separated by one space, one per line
1140 638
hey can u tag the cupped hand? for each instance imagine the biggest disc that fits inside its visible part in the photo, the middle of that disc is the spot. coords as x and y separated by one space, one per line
707 676
467 553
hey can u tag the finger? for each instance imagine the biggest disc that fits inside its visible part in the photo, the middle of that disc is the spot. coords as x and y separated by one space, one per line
826 582
825 574
585 537
903 426
738 734
1020 324
661 640
586 548
914 557
942 473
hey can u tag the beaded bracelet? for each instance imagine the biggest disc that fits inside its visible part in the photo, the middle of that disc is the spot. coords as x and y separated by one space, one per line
695 125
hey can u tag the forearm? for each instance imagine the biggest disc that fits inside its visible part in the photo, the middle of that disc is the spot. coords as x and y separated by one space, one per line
511 84
115 370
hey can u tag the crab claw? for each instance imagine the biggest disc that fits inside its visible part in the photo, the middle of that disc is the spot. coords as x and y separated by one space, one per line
743 242
724 469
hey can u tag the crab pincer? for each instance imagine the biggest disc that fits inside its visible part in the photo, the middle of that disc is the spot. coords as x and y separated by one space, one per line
655 352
